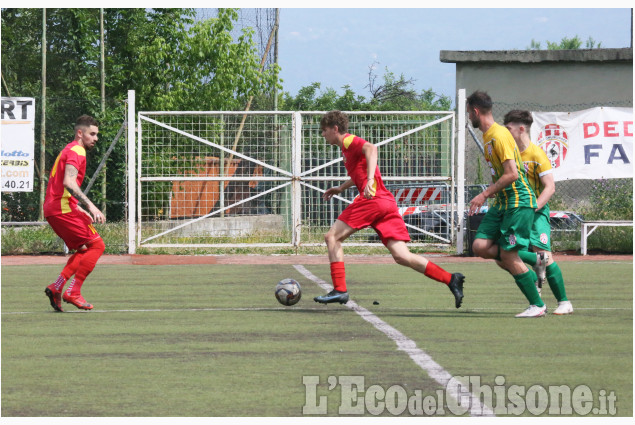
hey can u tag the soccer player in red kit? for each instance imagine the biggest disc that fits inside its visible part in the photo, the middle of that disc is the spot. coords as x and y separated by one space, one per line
375 207
71 222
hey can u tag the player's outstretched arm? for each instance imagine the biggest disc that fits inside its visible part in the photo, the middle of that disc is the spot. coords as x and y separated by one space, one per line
70 183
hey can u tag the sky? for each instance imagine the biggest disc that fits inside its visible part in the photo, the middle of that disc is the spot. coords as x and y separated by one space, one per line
336 47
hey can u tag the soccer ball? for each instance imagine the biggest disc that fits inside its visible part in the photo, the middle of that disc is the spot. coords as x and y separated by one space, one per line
288 292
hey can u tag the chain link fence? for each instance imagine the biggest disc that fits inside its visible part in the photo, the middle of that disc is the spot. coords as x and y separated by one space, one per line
574 200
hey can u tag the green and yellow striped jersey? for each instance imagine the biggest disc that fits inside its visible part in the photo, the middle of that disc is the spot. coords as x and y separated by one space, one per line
536 164
499 147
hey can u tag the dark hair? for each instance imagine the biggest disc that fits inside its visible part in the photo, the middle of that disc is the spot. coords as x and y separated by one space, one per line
335 118
518 116
481 100
85 121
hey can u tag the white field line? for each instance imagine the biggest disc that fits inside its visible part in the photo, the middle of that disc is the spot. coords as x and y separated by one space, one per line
420 357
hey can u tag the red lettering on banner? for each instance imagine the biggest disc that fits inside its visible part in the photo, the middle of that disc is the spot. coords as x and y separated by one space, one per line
609 129
628 128
592 125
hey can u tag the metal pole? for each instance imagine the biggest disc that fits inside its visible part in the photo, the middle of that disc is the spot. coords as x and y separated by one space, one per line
43 121
460 169
276 131
103 102
275 59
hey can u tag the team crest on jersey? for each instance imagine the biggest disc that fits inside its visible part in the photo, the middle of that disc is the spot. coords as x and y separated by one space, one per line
554 141
512 240
544 238
526 167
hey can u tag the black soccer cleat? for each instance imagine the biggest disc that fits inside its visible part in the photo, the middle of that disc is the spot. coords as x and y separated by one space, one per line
332 297
456 286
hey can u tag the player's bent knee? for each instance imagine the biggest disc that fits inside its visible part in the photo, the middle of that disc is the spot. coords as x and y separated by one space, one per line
480 247
402 260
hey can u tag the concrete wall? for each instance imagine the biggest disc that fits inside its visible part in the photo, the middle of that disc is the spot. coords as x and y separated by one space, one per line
555 84
549 78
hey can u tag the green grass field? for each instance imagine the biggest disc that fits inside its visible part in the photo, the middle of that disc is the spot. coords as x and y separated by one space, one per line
213 341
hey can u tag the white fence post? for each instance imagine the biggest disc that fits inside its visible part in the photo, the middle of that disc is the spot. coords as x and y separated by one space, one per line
296 169
460 169
132 181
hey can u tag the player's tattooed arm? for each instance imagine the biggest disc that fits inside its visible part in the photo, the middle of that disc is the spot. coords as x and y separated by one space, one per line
70 183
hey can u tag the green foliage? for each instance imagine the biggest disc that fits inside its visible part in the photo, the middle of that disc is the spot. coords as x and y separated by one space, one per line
30 240
566 43
393 94
611 199
171 61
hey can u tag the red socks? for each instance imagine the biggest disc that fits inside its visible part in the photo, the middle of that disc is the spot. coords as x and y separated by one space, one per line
71 265
338 275
87 263
68 271
437 273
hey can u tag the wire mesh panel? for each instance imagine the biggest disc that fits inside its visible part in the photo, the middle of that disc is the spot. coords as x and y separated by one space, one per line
208 179
415 157
257 178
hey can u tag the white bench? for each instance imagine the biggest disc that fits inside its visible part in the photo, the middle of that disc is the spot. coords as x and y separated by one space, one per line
589 227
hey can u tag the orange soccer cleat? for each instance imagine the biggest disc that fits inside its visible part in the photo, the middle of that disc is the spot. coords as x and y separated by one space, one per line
78 301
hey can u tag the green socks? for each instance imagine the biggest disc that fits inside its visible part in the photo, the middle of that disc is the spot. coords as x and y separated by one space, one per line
527 284
530 258
556 282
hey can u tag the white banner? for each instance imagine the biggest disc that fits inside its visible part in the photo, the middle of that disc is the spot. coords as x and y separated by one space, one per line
17 144
595 143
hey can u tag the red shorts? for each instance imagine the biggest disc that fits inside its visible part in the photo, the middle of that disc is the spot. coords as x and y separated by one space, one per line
381 214
75 228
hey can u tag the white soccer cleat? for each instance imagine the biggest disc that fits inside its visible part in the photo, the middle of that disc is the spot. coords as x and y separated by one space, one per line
534 311
564 307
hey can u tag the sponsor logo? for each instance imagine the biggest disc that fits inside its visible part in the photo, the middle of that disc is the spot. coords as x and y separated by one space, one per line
554 141
14 163
14 153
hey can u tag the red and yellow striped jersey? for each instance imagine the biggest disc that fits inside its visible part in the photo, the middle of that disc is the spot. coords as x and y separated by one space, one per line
58 200
355 163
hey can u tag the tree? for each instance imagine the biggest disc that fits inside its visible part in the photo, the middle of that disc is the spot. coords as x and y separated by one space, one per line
392 94
171 61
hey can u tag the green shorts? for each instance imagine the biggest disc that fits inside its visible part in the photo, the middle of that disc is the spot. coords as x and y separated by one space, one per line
541 230
510 229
